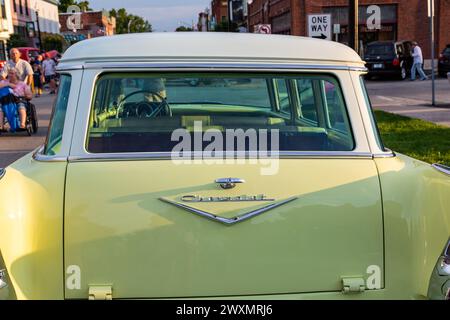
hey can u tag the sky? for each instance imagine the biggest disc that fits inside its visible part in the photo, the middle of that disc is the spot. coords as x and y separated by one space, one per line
163 15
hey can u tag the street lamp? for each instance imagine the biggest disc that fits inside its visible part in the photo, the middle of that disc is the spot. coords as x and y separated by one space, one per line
353 24
230 13
36 9
431 8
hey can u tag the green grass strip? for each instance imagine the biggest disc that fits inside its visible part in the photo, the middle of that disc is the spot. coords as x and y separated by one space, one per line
416 138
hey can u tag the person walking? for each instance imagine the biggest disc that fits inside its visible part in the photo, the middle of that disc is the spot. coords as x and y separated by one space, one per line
38 76
23 68
418 62
49 67
38 80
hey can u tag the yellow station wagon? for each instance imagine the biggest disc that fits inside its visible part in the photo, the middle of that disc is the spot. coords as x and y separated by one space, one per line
208 165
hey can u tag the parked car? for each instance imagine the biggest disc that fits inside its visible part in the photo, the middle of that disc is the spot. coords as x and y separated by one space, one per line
388 58
444 62
28 53
278 186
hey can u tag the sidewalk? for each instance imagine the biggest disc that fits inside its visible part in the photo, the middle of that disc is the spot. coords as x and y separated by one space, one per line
439 116
14 146
412 99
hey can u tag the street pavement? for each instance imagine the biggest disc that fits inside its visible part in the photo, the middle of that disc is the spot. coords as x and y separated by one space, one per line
14 146
412 99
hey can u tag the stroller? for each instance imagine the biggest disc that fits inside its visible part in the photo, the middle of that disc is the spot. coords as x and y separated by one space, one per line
9 104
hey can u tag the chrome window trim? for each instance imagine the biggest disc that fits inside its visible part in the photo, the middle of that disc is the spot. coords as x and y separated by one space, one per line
78 150
192 156
68 130
69 67
388 153
212 66
39 155
441 168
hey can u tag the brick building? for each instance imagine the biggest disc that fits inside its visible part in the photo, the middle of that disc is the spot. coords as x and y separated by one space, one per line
6 27
400 19
92 24
219 10
22 20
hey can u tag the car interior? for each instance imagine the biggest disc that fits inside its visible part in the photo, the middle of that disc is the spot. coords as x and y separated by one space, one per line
307 112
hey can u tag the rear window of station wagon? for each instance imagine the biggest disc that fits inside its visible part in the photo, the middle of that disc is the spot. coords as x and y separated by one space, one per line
139 112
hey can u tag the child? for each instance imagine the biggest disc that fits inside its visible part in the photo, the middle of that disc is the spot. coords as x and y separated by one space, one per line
37 77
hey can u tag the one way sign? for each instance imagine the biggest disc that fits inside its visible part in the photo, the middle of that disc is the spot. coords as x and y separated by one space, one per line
319 26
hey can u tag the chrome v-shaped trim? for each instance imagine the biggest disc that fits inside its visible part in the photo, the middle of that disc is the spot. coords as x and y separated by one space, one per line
229 221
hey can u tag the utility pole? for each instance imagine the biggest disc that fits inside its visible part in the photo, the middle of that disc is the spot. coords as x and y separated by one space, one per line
353 21
230 14
433 53
39 30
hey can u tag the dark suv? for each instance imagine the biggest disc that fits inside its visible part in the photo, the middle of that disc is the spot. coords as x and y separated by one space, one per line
444 62
389 58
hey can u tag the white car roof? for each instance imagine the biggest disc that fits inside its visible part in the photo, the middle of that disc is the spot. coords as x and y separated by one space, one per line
211 46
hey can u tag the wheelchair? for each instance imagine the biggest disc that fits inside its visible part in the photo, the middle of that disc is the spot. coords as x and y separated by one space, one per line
31 123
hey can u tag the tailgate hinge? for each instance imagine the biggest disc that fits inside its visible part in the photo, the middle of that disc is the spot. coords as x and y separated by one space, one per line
103 292
353 285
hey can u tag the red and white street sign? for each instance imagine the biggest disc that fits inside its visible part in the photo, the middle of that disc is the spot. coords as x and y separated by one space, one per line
263 28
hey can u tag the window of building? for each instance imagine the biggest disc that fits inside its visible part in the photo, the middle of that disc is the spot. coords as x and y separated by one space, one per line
20 7
389 21
282 24
3 10
26 8
21 30
2 50
15 5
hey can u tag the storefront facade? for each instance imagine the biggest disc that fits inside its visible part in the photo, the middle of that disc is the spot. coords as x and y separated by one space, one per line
400 19
22 20
6 27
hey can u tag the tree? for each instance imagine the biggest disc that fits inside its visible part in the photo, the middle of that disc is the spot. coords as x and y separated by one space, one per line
129 23
53 42
64 4
15 41
183 29
224 26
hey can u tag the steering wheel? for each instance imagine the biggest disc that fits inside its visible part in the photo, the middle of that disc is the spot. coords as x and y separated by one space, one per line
146 109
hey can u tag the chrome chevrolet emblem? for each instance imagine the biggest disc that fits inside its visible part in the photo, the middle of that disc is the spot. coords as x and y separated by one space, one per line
233 220
242 198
